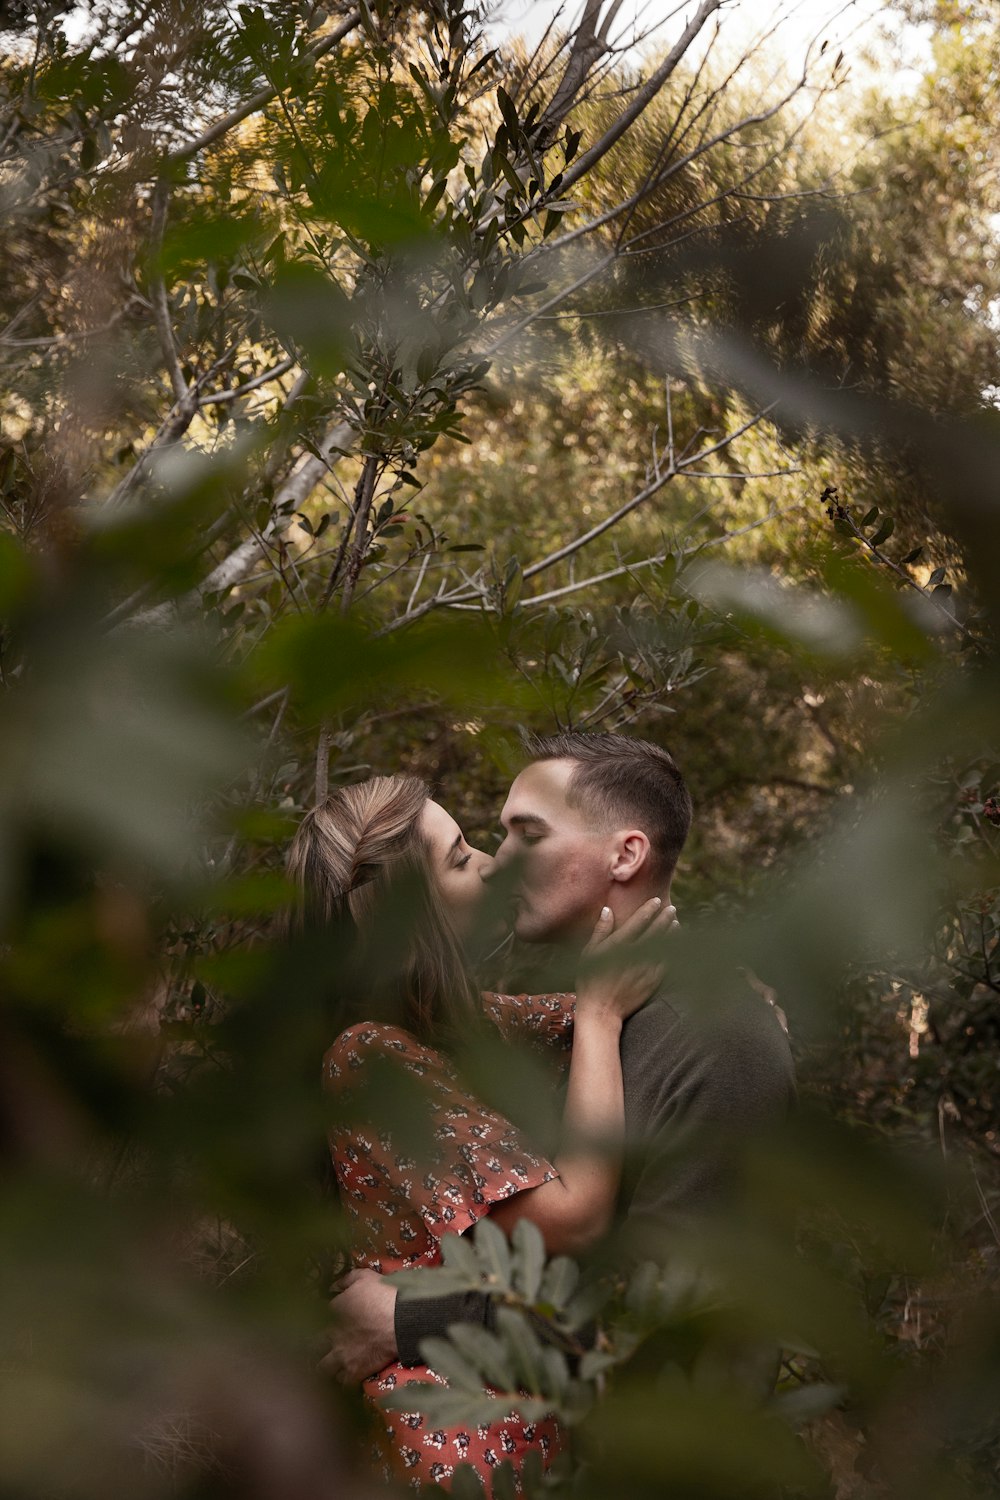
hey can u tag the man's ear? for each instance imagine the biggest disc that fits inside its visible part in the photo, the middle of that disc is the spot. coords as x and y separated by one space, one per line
630 856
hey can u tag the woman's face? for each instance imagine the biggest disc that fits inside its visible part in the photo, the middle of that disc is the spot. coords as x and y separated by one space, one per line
459 870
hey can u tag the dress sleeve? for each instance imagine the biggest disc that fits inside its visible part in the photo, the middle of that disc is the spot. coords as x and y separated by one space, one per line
546 1018
459 1158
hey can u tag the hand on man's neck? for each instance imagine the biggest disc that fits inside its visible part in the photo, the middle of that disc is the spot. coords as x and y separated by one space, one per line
625 897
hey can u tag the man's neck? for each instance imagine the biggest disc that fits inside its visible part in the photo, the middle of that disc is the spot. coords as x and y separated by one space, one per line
626 899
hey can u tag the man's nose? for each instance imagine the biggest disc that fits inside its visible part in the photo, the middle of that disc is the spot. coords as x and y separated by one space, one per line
499 859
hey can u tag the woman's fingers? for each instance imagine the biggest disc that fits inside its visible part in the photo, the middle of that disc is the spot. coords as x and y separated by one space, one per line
641 919
652 916
603 928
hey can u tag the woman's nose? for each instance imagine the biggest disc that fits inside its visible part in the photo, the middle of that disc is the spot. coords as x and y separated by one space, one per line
486 863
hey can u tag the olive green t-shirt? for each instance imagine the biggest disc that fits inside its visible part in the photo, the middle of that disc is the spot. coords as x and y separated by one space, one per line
699 1089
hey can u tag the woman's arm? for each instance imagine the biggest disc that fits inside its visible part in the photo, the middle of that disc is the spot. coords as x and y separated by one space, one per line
576 1208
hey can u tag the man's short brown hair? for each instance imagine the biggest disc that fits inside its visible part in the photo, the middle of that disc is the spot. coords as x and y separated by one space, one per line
621 781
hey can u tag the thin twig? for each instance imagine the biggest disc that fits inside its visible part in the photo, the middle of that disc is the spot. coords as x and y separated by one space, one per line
161 310
263 96
219 397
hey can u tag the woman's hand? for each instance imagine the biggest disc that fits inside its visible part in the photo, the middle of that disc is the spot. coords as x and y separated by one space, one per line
620 971
615 979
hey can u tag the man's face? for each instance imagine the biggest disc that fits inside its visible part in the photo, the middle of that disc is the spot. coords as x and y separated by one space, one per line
563 866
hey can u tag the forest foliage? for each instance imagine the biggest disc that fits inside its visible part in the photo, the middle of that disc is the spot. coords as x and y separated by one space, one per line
371 391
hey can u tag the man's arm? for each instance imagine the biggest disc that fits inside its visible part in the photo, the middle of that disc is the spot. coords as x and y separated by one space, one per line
372 1326
431 1317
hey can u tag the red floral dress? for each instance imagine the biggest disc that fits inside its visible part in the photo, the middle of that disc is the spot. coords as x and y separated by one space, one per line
400 1210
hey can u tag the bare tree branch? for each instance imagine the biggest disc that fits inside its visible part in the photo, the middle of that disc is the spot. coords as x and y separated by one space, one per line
234 568
161 309
218 398
675 466
644 97
261 98
587 47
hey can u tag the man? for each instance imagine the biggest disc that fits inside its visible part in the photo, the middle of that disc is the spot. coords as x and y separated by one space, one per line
600 820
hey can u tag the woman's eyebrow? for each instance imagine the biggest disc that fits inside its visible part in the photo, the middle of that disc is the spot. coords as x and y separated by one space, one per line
456 845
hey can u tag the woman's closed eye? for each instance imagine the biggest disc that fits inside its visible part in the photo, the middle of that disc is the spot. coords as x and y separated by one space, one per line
460 864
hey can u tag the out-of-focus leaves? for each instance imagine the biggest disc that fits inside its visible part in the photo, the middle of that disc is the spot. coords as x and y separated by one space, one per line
335 664
688 1443
206 236
529 1259
831 626
16 574
312 312
114 743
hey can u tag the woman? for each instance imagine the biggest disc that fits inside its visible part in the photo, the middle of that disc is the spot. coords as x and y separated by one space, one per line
383 840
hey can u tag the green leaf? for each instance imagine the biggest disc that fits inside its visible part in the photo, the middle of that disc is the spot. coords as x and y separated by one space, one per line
16 573
459 1255
444 1359
559 1282
443 1406
204 237
466 1483
641 1295
505 1482
493 1253
486 1352
556 1380
869 517
695 1442
883 533
426 1282
311 310
427 364
509 112
513 582
435 195
524 1348
595 1362
507 168
529 1259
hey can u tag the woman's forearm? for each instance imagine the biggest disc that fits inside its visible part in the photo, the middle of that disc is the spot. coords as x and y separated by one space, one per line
576 1208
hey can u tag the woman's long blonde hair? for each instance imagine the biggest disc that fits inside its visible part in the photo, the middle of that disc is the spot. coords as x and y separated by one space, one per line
360 863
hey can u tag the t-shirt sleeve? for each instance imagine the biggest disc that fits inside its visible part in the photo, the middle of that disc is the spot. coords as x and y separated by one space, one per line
443 1155
547 1018
419 1318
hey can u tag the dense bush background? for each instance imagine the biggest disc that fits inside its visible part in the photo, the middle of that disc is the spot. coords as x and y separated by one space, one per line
330 336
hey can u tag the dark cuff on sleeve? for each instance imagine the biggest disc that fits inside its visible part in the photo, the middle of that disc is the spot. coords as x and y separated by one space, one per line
430 1317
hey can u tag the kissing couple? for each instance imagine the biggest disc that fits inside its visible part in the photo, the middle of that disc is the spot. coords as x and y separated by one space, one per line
593 827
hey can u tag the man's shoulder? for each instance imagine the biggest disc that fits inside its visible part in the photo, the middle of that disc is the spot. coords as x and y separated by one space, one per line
732 1045
671 1017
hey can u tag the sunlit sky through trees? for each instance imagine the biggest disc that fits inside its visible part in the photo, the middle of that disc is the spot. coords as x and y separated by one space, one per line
856 26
